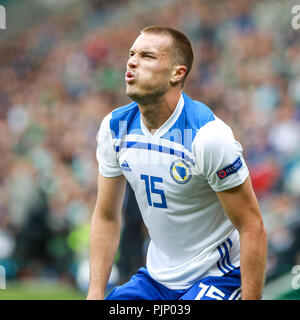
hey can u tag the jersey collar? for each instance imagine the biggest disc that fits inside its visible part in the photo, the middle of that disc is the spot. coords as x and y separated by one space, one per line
168 124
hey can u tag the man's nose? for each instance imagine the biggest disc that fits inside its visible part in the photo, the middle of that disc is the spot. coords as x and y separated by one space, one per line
132 62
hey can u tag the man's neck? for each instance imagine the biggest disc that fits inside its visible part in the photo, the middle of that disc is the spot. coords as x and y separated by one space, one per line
154 115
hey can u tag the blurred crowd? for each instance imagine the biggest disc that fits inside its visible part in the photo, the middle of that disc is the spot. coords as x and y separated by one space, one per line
60 77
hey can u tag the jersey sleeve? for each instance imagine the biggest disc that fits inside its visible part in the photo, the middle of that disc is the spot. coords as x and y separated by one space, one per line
218 156
108 164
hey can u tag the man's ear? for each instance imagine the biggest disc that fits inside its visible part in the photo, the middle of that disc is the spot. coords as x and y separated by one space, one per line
178 74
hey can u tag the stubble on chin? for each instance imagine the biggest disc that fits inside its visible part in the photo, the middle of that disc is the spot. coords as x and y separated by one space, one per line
147 97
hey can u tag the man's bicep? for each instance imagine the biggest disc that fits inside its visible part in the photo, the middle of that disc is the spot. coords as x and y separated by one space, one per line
111 191
241 206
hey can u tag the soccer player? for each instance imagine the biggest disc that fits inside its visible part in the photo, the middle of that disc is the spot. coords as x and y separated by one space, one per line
191 182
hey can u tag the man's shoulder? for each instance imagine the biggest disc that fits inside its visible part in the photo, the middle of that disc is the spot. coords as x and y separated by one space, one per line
124 119
193 117
125 110
197 113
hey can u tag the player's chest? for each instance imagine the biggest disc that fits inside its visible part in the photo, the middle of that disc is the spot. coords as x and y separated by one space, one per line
160 169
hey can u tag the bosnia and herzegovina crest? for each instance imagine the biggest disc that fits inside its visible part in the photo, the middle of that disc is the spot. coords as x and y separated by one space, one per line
180 171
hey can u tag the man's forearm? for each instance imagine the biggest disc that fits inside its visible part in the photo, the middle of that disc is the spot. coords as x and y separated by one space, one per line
104 240
253 263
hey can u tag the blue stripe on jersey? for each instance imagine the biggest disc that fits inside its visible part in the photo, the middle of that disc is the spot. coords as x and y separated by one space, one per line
153 147
227 257
194 115
224 262
230 242
125 120
219 261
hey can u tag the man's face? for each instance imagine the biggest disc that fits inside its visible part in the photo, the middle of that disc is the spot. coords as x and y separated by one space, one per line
149 67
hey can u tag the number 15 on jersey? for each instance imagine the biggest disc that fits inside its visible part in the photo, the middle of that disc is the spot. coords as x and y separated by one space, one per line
152 189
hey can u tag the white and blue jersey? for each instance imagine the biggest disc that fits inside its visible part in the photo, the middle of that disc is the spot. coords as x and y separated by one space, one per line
175 174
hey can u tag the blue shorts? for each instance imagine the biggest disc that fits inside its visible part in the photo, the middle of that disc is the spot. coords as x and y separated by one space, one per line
142 287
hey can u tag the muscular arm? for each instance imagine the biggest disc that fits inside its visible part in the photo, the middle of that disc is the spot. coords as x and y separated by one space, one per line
105 232
242 209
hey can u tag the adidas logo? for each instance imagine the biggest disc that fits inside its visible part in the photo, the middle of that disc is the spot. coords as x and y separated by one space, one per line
125 166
